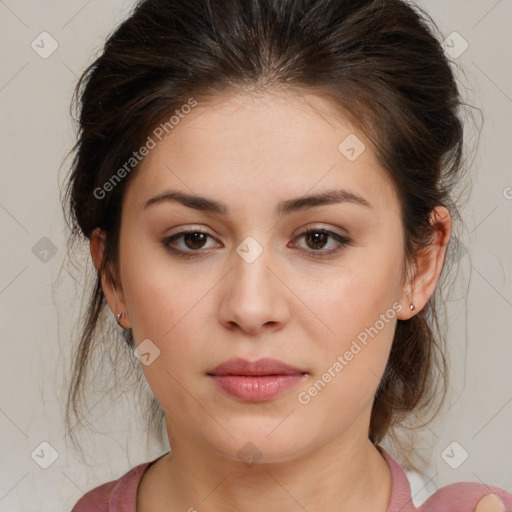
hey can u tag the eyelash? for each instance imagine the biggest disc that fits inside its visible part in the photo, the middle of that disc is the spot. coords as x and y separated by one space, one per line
342 240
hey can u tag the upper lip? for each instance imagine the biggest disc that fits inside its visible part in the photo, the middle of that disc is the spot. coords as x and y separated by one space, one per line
264 366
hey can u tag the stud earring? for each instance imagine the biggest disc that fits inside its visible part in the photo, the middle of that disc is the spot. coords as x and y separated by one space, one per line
119 316
411 307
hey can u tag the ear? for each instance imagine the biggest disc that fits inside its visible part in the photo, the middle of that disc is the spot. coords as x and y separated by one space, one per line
423 278
112 290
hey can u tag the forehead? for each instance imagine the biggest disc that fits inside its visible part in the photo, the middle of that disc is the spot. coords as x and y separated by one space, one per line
260 146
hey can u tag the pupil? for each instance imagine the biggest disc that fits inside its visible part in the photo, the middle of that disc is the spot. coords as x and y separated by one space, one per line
195 238
318 238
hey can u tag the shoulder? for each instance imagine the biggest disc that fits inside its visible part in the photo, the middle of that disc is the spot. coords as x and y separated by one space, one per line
468 497
115 496
457 497
96 499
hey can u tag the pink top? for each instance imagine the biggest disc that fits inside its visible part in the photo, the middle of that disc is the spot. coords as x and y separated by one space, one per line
121 495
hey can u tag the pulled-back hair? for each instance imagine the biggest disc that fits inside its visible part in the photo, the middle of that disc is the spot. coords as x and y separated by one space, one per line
381 63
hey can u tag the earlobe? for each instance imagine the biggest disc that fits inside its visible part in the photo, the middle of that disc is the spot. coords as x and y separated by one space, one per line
422 281
408 307
113 295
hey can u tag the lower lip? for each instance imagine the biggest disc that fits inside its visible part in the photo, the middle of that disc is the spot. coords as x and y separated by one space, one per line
256 388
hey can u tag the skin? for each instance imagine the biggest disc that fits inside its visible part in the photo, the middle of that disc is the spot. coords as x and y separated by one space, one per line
251 152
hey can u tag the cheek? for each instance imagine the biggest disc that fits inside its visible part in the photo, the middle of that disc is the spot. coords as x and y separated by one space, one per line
170 317
170 321
359 304
165 306
157 295
353 298
349 364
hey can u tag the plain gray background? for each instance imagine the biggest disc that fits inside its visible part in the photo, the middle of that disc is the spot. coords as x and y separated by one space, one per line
39 305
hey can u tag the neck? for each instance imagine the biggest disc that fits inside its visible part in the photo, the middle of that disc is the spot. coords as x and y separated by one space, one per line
337 476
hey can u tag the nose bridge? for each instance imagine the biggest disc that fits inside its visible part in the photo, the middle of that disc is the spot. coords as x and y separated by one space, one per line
251 275
253 298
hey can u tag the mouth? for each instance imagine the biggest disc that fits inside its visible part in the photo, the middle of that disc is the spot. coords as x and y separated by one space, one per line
256 381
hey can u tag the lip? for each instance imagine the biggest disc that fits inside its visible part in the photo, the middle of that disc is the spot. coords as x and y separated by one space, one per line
256 381
264 366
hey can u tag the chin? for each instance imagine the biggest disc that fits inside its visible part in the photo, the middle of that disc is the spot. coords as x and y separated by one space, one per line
254 445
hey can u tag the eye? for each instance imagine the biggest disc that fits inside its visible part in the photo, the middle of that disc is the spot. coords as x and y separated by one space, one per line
192 242
318 239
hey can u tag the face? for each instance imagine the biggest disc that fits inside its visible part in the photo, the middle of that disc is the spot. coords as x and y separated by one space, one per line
315 284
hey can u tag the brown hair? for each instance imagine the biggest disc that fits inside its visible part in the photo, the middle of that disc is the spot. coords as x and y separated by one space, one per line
379 60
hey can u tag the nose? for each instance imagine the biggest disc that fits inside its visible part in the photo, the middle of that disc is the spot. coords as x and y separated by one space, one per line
254 298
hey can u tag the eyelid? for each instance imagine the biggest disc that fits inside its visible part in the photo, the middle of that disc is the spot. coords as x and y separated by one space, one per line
192 227
184 231
316 227
342 241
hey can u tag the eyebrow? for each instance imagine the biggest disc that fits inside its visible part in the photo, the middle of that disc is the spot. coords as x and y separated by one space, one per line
285 207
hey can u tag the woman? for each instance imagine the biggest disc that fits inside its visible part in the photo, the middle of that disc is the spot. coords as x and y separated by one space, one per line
265 186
